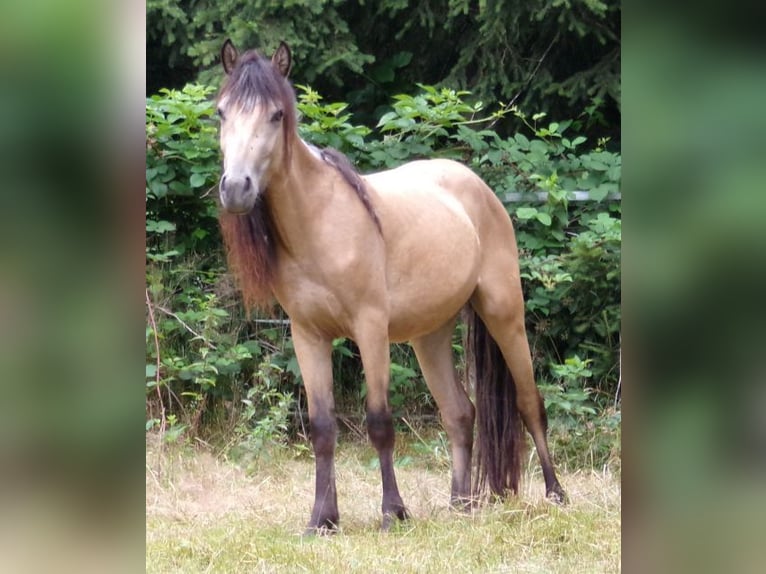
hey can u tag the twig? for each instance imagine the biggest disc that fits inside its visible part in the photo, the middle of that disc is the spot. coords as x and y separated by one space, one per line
192 331
540 60
300 417
356 429
163 420
537 67
417 435
619 380
270 321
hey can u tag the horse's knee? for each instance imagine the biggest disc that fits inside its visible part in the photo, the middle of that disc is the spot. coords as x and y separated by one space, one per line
380 428
459 425
324 432
532 409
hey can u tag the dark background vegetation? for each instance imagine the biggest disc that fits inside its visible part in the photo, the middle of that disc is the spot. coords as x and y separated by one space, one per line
558 57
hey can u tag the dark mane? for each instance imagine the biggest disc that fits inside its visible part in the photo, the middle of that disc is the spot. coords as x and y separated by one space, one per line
251 252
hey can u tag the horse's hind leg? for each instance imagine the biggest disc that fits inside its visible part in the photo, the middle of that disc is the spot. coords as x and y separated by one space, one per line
434 353
502 310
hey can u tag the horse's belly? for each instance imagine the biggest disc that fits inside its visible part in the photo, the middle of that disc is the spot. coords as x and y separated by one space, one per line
431 278
429 213
409 321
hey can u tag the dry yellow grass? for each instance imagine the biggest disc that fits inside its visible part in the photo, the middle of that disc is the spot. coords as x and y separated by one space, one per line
206 514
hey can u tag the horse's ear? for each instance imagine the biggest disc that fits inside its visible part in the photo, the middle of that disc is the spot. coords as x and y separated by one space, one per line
229 56
282 59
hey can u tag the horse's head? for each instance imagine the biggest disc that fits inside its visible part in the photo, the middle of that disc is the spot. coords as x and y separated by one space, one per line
256 107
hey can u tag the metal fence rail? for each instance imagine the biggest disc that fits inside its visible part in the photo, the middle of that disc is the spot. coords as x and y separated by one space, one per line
542 197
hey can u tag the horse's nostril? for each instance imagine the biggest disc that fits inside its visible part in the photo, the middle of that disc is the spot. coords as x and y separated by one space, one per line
248 183
223 183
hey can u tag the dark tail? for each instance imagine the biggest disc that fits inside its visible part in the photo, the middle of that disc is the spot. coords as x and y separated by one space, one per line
499 443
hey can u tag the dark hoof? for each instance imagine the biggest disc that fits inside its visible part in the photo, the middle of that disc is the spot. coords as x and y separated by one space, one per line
557 495
400 514
464 505
327 528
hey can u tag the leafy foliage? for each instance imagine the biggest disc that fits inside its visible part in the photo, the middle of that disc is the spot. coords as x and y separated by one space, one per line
182 162
264 421
328 125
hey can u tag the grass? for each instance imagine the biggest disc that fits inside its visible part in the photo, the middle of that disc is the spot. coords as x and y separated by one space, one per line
205 513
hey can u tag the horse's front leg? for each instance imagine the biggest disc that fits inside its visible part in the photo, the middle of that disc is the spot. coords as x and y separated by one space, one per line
314 358
374 348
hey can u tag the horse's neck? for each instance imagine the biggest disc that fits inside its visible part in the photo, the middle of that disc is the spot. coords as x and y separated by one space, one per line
300 199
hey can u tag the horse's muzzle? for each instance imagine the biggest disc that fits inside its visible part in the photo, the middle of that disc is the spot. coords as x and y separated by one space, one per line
238 194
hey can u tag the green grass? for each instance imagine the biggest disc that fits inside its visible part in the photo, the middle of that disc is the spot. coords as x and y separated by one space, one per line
207 514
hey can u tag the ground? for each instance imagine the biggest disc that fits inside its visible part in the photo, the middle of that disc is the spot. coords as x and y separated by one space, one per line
205 513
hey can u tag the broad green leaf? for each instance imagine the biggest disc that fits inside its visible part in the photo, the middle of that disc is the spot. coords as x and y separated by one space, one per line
526 212
599 192
522 140
197 180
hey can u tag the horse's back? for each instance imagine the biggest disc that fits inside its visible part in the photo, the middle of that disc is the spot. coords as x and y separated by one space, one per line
441 193
434 175
433 181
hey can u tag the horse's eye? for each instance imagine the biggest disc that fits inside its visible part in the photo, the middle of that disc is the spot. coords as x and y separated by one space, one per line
277 116
220 114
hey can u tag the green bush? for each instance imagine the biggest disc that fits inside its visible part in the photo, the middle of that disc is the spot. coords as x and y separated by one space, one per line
182 163
200 353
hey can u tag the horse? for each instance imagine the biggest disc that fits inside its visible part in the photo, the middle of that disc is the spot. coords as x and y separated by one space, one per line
388 257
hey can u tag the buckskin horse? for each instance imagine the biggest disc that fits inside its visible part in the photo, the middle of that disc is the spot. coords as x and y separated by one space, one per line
388 257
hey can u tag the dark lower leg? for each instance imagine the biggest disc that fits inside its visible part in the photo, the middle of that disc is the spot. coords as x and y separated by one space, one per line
460 433
324 516
538 428
380 427
460 494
